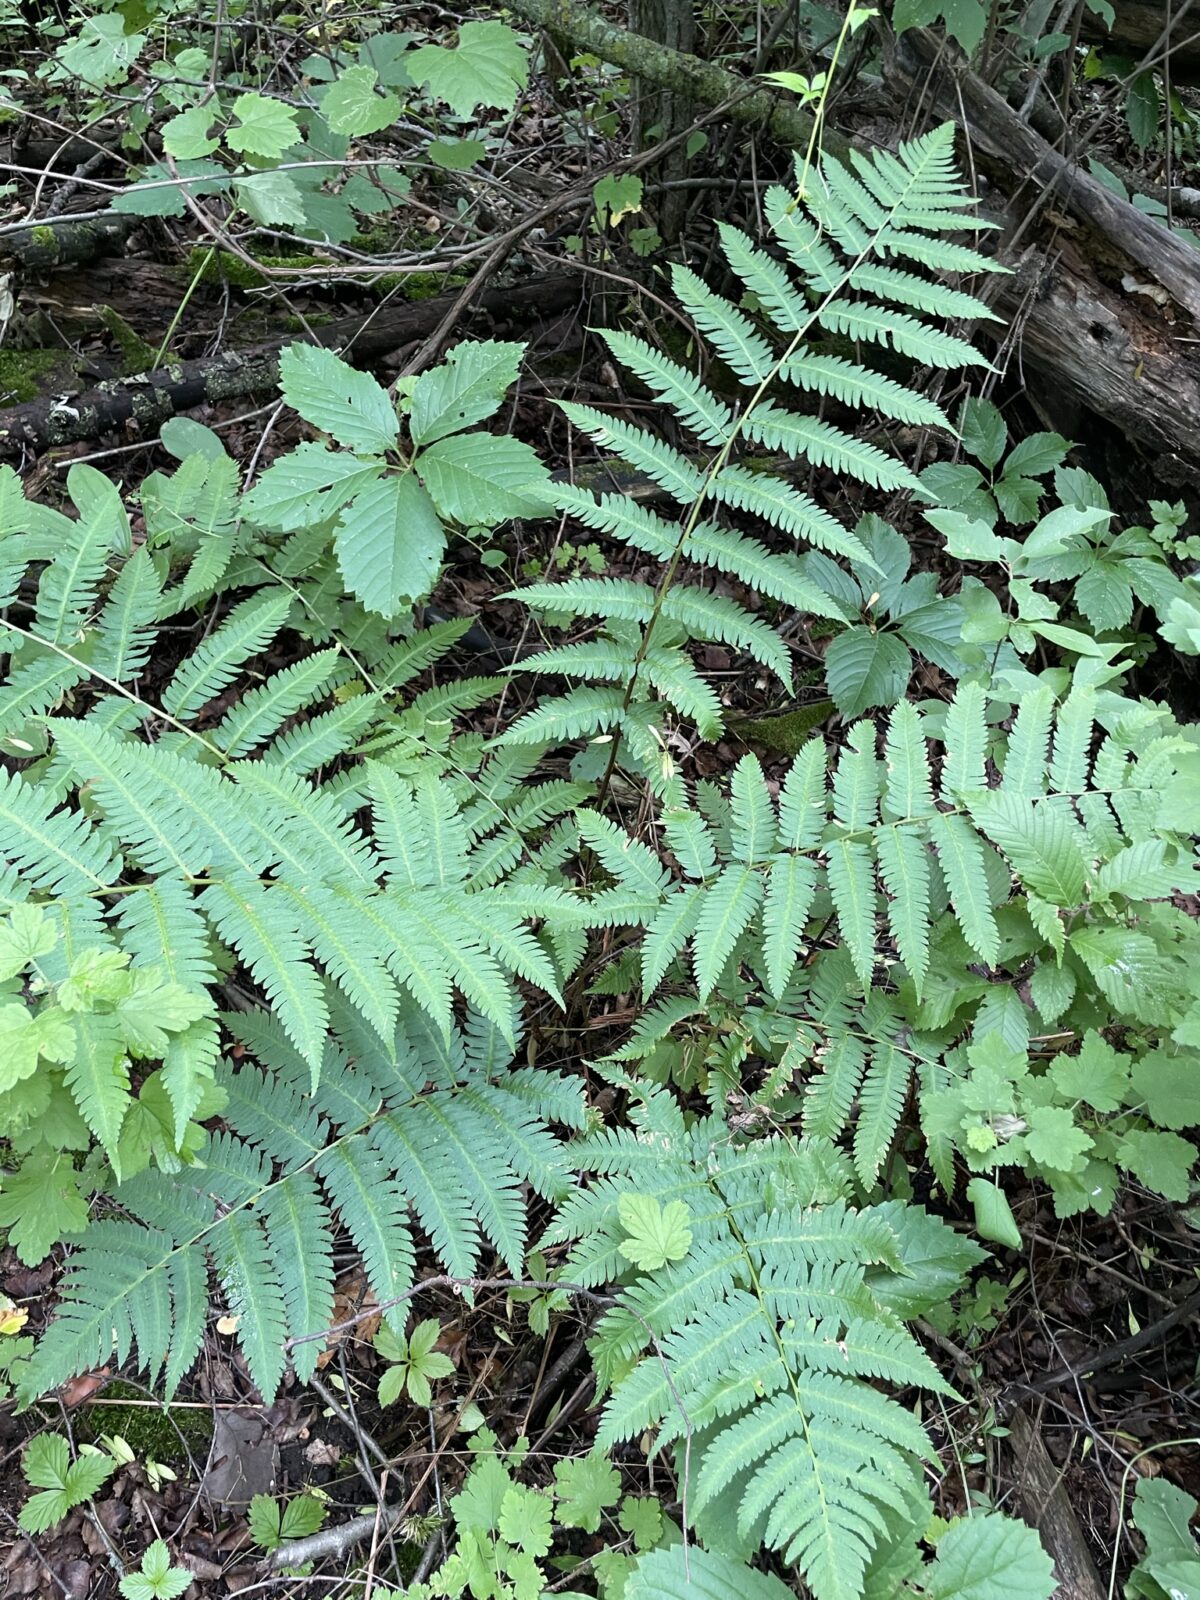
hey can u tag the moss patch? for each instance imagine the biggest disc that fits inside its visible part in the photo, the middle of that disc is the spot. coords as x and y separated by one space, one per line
214 266
147 1429
136 354
24 373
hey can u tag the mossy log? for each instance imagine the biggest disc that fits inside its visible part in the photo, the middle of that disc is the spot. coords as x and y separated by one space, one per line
139 406
65 241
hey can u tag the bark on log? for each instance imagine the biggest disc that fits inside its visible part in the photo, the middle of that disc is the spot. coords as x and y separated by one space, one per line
1076 338
1043 1499
62 241
994 127
671 69
1139 28
146 402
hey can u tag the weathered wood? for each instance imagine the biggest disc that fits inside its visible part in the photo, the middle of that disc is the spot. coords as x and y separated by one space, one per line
1109 352
915 59
1042 1497
144 403
1139 27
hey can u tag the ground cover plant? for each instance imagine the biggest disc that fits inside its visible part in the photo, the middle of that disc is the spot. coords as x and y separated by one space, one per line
571 948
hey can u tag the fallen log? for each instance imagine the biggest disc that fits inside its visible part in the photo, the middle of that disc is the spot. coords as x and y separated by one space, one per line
1039 1489
141 405
674 71
1022 154
66 241
1142 30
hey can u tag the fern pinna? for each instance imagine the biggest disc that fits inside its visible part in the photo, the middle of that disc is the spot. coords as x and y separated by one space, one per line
446 1131
832 277
756 1344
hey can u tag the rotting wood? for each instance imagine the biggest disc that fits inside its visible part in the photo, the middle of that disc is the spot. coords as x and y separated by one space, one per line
142 404
1040 1491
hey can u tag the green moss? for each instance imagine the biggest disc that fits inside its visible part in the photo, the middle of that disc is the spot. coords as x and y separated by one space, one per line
136 354
42 236
22 372
151 1431
212 266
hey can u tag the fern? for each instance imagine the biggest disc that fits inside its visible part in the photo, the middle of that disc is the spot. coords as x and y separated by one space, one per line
874 852
758 1355
840 241
448 1132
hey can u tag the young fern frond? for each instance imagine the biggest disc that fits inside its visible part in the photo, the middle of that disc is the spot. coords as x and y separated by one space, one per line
838 244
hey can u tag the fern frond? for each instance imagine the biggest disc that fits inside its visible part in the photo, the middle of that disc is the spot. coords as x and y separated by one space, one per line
789 510
830 1094
725 914
881 1101
248 629
667 467
55 850
791 886
126 630
697 408
810 439
259 924
69 587
835 378
262 712
729 330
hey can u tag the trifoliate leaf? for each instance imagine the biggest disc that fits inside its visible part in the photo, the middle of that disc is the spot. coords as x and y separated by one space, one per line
1162 1161
1169 1088
153 1009
389 544
272 198
65 1483
264 127
641 1517
157 1579
466 389
186 136
1098 1075
866 668
161 192
456 155
983 430
488 67
263 1521
656 1233
19 1044
350 104
481 480
525 1520
1163 1514
301 1516
40 1204
585 1487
